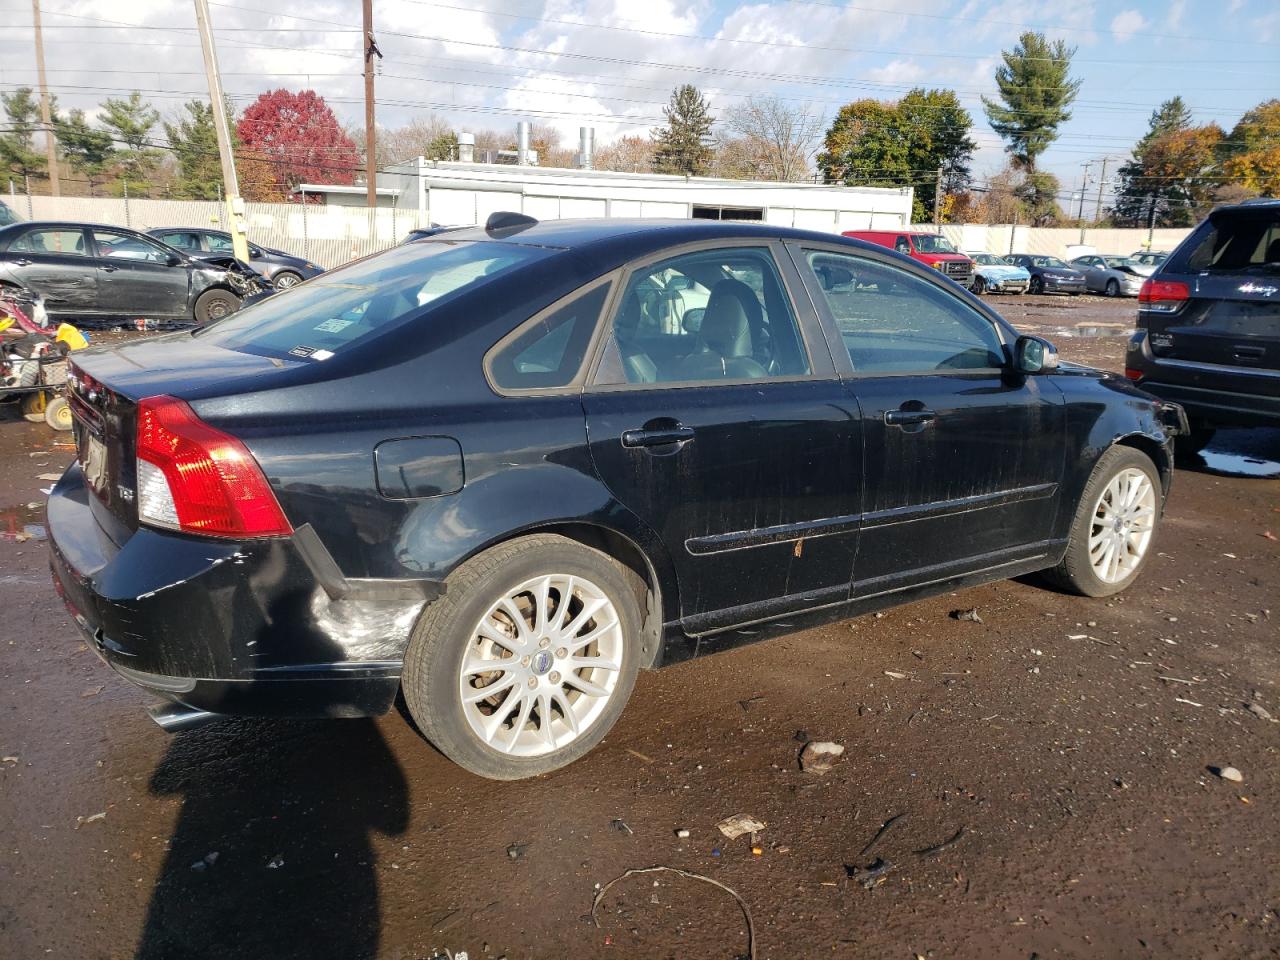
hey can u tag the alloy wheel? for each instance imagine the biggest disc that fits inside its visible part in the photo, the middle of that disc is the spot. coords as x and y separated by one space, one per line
1122 525
541 665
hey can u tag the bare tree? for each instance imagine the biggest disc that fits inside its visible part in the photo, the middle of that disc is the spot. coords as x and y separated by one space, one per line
626 155
777 138
431 137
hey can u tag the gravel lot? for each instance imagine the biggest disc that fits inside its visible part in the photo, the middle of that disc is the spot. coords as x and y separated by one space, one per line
1068 743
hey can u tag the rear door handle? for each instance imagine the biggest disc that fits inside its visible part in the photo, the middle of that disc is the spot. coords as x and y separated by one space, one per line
110 269
657 438
1243 352
22 262
906 418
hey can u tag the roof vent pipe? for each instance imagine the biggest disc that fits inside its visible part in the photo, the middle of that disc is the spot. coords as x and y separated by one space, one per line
522 143
586 147
467 147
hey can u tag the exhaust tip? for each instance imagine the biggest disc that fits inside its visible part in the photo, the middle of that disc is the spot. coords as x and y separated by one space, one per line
172 717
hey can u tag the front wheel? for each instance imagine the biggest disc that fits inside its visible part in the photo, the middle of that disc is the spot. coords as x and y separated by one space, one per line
1114 527
1113 288
978 287
527 660
284 280
215 304
1037 285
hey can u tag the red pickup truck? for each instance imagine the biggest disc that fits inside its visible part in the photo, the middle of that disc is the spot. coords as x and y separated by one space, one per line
929 248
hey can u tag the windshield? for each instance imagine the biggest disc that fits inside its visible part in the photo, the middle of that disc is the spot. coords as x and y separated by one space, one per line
1047 262
928 243
367 298
990 260
1151 259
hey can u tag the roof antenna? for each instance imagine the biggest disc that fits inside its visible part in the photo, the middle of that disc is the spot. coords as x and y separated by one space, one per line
504 223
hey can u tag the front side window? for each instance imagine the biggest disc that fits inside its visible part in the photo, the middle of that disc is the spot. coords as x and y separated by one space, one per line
931 243
182 241
368 298
705 316
125 246
218 244
548 351
59 241
892 321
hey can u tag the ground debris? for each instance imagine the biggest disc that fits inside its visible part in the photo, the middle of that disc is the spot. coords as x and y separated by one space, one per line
516 850
1228 773
738 825
1259 711
621 826
819 756
276 862
938 848
880 834
869 876
970 614
688 875
81 821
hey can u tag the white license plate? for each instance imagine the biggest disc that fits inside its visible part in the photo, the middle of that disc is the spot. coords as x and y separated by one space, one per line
93 461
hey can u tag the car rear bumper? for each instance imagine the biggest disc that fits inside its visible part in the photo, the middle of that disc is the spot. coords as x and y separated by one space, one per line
1210 393
226 627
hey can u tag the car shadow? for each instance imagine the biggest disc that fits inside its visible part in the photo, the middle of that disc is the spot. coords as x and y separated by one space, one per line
1238 453
272 854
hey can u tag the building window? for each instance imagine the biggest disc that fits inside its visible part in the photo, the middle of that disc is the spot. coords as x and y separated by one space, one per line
701 212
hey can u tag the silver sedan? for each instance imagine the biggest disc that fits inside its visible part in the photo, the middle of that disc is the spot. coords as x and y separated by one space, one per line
1114 276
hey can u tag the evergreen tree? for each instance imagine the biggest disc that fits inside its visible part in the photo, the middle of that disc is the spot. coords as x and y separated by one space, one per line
17 146
87 150
130 122
1140 196
1035 89
684 144
194 140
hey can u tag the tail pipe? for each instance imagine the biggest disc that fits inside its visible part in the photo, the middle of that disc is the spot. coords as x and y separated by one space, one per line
172 717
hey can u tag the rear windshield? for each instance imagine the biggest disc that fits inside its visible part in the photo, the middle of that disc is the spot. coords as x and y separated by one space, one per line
367 298
1232 242
928 243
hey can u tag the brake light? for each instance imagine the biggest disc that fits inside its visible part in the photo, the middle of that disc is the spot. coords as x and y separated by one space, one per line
197 479
1132 374
1163 296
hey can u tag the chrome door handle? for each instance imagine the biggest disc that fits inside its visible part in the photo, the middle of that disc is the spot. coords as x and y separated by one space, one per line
657 438
905 418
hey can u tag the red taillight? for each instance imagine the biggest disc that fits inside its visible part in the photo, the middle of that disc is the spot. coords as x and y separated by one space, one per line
1163 295
197 479
1132 374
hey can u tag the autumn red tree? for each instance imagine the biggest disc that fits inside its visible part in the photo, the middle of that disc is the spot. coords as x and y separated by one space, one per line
298 138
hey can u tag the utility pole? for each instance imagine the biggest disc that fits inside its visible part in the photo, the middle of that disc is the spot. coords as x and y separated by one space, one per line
218 103
1097 213
1084 185
937 202
50 142
370 131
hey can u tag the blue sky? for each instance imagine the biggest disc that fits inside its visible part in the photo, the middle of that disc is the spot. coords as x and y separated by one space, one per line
611 64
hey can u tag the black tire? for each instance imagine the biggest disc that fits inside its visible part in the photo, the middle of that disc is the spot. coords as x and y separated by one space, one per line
57 414
1037 286
286 279
433 661
215 304
978 287
1113 288
1075 573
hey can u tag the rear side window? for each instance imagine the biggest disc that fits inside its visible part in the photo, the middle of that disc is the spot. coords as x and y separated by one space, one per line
548 351
1232 242
60 241
367 298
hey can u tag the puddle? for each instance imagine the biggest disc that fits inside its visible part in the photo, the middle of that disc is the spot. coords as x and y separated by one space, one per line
13 533
1095 330
1239 465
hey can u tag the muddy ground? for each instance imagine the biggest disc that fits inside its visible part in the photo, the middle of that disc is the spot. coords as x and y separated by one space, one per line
1067 742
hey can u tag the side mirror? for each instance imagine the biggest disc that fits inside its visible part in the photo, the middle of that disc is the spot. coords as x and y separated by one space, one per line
1034 355
173 260
255 253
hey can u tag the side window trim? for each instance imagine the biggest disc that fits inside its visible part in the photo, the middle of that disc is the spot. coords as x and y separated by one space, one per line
844 364
812 335
590 355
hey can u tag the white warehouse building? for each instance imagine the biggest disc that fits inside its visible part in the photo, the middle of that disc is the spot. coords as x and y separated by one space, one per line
457 194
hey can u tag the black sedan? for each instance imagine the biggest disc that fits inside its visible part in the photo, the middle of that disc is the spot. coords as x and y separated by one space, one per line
86 270
504 469
282 270
1049 274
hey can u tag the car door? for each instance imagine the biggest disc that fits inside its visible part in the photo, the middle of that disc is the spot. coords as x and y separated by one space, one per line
54 262
136 277
962 458
1094 270
715 415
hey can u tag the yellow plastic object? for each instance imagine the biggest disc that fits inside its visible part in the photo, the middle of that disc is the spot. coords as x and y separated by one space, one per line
72 337
5 323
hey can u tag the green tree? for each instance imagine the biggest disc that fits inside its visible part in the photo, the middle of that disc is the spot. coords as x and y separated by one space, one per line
938 128
194 140
87 150
1146 193
130 122
684 144
17 145
1036 89
866 145
1038 193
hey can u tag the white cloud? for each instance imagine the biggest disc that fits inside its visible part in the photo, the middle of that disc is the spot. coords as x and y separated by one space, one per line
1177 10
1126 24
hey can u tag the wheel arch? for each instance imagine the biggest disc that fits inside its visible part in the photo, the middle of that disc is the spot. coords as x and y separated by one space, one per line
1156 451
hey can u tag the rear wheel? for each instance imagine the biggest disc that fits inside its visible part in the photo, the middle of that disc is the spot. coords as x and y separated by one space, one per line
57 414
33 406
215 304
1114 527
527 660
1037 285
286 279
1113 288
